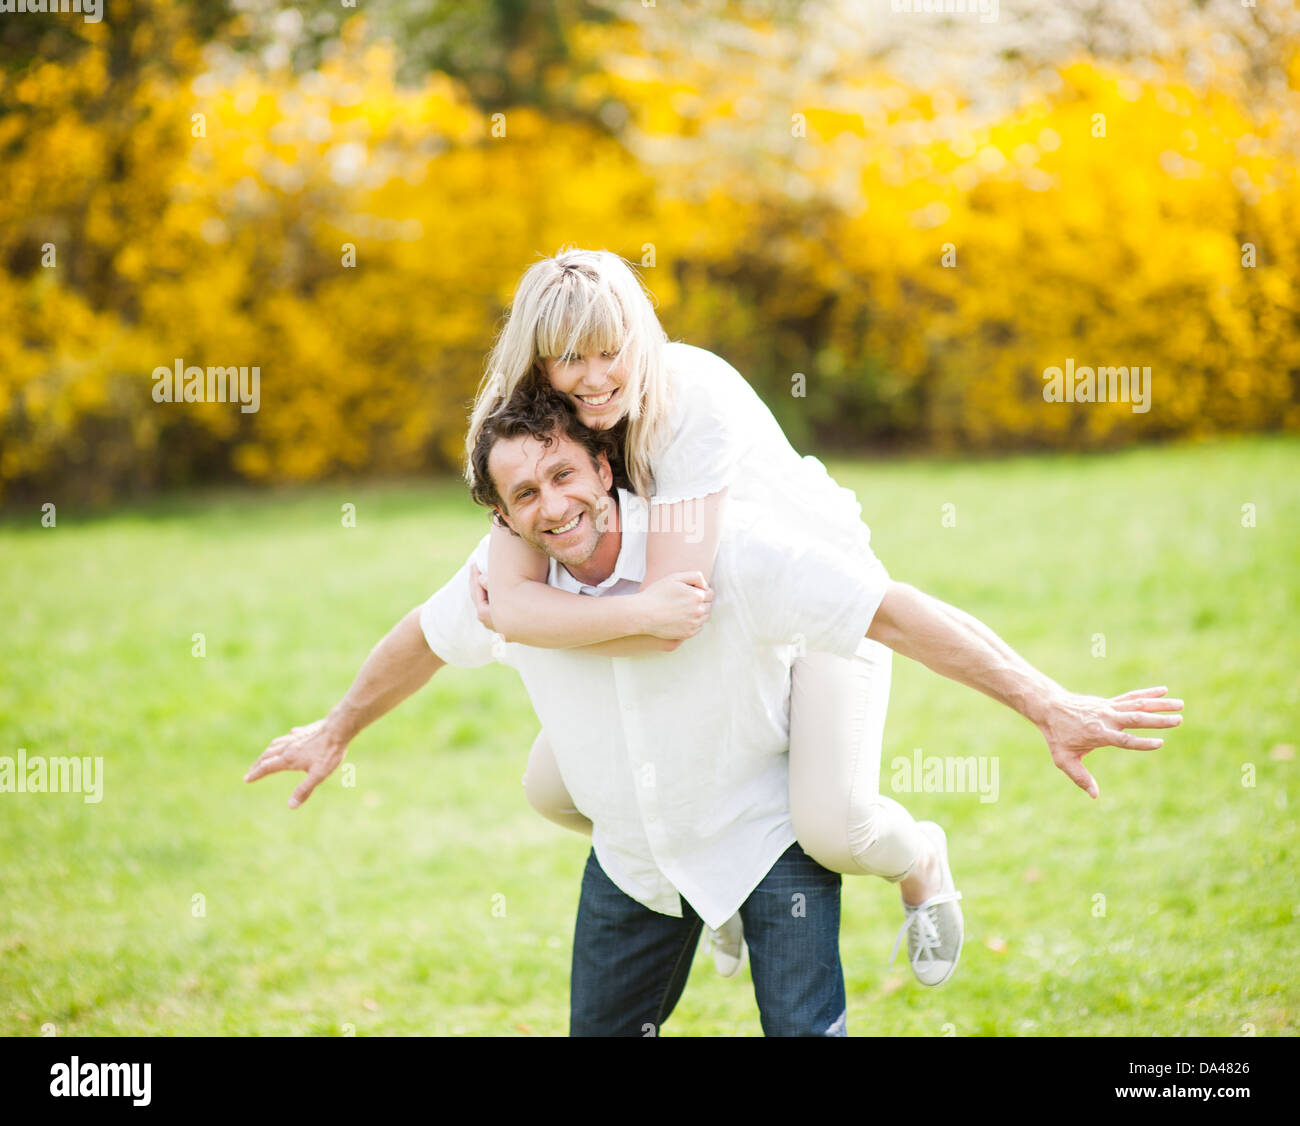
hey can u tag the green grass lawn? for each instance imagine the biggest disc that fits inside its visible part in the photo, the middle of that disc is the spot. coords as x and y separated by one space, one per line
427 898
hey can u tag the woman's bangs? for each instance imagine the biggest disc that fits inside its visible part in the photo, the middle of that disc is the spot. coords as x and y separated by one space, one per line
587 328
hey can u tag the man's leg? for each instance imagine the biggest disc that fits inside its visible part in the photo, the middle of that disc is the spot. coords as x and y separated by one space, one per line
630 964
792 925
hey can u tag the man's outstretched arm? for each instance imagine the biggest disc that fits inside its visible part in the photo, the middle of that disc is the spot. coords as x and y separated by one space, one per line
398 666
960 647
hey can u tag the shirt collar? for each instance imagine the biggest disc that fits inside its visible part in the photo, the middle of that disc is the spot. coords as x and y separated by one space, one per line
633 522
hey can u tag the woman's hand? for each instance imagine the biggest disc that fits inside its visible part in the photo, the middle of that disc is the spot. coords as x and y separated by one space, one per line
479 592
677 606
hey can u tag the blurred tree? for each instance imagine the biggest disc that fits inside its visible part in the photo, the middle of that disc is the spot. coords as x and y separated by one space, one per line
54 70
506 53
359 238
30 38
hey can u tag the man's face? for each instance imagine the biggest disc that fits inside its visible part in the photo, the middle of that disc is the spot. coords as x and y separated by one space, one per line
553 496
593 384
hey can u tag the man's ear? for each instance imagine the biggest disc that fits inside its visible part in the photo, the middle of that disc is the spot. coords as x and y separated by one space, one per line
501 517
606 473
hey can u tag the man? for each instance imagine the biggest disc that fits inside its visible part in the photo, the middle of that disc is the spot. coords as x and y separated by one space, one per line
678 758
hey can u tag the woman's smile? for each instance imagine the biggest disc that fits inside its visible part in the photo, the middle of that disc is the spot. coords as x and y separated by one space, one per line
597 400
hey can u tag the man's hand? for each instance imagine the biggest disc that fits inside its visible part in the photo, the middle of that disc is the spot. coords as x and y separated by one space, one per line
479 593
963 648
1073 725
316 748
677 606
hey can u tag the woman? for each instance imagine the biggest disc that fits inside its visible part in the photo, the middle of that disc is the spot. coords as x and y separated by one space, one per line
701 446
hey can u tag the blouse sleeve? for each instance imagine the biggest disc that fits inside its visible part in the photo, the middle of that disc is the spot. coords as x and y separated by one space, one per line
708 437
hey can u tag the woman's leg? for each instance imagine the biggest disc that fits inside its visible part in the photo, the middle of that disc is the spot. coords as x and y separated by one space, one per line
546 791
837 723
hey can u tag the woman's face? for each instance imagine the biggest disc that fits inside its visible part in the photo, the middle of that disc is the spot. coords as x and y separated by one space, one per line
593 384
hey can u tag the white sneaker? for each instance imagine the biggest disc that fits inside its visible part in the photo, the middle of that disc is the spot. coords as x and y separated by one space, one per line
728 944
935 928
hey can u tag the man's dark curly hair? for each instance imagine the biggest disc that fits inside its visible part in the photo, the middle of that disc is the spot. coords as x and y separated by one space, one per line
536 411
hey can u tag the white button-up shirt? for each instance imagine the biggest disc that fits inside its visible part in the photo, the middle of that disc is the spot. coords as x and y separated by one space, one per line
680 759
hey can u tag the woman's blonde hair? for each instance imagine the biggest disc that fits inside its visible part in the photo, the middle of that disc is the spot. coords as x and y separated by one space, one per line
583 302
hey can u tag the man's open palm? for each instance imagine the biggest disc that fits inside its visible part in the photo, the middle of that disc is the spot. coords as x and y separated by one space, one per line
314 748
1077 724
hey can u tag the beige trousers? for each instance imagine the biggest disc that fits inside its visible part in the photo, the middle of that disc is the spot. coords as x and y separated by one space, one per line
837 723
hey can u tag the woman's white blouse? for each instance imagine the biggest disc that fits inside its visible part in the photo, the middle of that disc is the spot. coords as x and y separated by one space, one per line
724 436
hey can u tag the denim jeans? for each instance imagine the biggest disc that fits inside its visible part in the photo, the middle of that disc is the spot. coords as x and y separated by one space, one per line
630 964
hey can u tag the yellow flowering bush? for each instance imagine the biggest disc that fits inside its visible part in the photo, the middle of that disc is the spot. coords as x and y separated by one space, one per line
356 242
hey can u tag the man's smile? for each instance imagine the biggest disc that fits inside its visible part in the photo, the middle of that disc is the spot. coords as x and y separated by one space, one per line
565 529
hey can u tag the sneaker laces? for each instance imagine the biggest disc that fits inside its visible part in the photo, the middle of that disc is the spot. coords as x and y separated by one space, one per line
925 919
